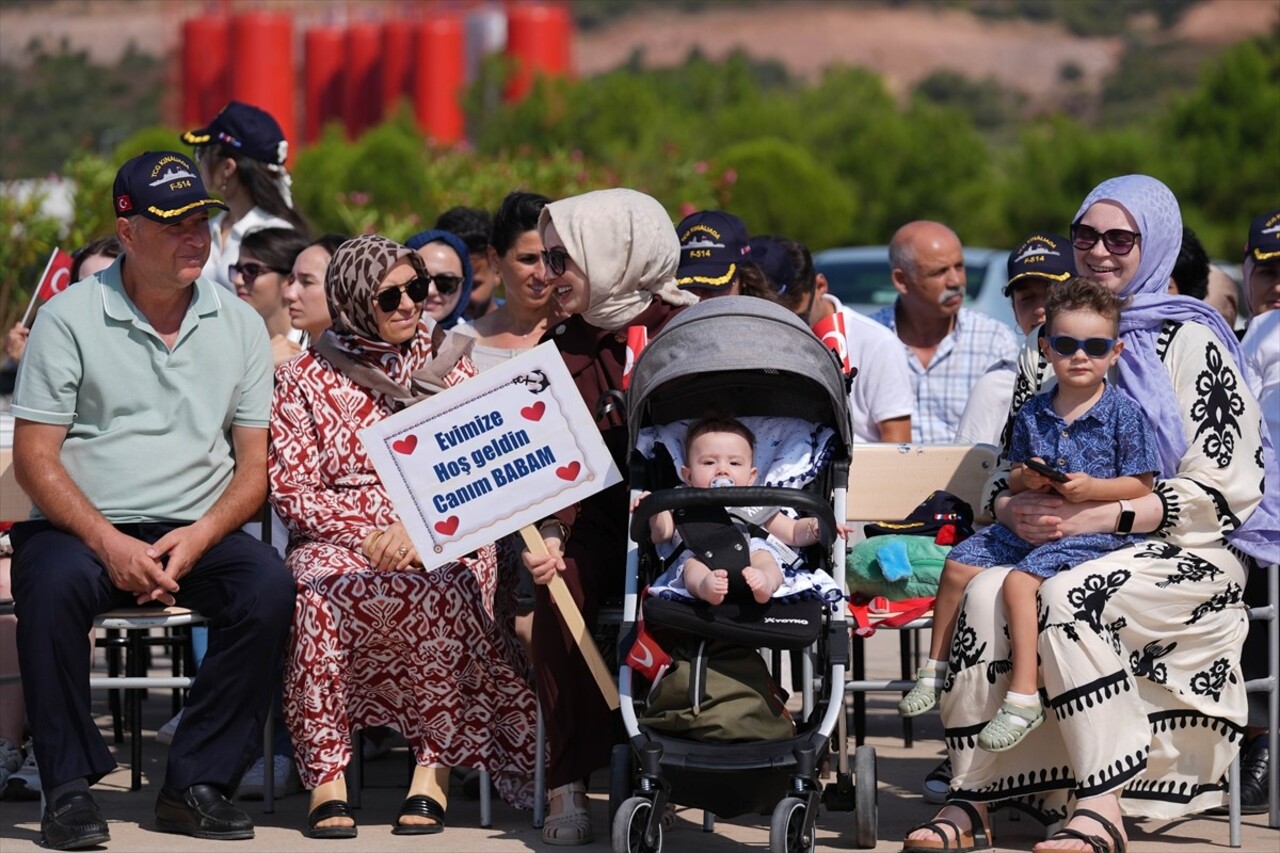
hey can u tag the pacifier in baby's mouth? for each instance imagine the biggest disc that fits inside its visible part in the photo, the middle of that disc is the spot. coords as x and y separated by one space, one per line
721 482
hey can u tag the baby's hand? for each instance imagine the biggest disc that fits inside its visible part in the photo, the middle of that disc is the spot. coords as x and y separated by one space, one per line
844 530
1077 488
641 496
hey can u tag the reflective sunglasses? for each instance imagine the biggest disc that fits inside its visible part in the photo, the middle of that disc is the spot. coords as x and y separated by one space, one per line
250 270
1093 347
389 300
555 259
1117 241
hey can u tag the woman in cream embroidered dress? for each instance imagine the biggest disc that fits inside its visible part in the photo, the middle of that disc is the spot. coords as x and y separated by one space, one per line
1139 649
376 640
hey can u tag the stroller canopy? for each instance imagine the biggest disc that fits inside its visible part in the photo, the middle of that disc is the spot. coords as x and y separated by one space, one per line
737 355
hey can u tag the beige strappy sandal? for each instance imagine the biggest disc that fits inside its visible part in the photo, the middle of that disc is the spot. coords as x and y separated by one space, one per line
571 827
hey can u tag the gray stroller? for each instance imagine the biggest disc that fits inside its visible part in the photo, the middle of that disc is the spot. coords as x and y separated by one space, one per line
747 358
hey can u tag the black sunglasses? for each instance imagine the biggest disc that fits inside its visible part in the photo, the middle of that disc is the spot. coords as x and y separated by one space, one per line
249 271
555 259
388 300
1093 347
446 282
1118 241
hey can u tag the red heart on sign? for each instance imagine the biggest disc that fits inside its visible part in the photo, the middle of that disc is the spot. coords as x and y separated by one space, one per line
448 526
569 472
534 412
405 445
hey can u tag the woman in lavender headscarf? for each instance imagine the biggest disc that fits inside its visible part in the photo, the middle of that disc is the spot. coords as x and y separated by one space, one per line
1139 649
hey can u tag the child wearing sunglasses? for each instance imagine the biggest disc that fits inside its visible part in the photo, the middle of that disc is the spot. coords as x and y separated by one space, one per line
1088 441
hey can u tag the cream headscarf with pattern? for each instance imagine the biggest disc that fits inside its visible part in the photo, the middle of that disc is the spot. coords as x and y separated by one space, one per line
627 249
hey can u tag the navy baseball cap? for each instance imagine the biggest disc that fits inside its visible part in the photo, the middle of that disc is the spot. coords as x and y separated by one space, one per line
712 244
163 186
248 129
1046 256
772 257
1264 238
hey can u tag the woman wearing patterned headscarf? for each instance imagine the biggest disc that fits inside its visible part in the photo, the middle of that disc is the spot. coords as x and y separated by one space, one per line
376 641
611 259
1139 649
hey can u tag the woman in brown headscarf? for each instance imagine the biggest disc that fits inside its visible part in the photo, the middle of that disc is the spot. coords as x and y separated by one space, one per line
376 640
611 259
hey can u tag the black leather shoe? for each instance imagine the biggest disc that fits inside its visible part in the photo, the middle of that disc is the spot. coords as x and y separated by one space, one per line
201 811
1255 761
73 823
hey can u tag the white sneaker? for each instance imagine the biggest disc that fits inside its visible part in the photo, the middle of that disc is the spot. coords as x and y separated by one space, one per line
166 732
10 760
283 771
25 783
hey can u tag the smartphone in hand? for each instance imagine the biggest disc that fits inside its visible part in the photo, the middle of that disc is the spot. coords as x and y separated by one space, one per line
1045 470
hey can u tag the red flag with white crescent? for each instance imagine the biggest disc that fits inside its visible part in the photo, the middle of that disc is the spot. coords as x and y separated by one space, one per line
57 275
831 330
646 656
637 340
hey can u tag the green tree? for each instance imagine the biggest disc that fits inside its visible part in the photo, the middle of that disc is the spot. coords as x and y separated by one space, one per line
1221 153
781 189
57 103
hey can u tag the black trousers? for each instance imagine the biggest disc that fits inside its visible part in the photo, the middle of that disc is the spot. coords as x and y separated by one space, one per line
59 586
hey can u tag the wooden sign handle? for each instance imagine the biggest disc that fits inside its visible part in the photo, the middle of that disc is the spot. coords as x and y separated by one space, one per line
573 620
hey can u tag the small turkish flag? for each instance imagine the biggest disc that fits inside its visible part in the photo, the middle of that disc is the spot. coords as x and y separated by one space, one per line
646 656
637 340
831 330
57 275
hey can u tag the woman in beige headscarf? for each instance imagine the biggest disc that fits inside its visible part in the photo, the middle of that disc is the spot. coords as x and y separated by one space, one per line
611 259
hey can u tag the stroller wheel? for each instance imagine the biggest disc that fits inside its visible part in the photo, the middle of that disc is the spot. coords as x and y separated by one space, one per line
620 781
786 830
866 816
629 826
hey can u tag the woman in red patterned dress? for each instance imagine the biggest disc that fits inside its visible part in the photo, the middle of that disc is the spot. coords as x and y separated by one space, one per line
376 640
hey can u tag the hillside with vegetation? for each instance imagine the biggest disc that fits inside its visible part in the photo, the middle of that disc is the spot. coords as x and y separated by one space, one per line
840 159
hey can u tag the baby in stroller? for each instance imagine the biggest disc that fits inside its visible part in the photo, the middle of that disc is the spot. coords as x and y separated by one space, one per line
716 552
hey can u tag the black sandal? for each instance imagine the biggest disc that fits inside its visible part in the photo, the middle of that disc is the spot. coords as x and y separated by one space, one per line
419 806
1096 843
977 834
325 811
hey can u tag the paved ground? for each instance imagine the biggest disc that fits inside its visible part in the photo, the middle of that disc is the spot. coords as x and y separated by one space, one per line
900 806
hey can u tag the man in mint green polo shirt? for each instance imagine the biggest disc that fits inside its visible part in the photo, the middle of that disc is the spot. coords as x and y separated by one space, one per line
141 437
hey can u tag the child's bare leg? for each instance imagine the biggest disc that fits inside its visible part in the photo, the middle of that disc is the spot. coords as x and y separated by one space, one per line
1021 712
705 583
1024 635
951 586
763 576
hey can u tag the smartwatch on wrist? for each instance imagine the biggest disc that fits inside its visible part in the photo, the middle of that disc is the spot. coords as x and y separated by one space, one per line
1124 524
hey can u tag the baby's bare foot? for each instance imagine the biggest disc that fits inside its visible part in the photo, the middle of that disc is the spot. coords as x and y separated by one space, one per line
714 586
758 584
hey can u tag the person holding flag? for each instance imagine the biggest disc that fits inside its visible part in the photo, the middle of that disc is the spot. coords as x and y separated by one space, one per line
880 398
60 272
141 480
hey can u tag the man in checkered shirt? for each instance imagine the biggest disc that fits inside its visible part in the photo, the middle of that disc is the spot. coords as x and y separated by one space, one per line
947 347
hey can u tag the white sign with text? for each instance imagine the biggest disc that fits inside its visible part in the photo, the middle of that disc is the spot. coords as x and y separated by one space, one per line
483 459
